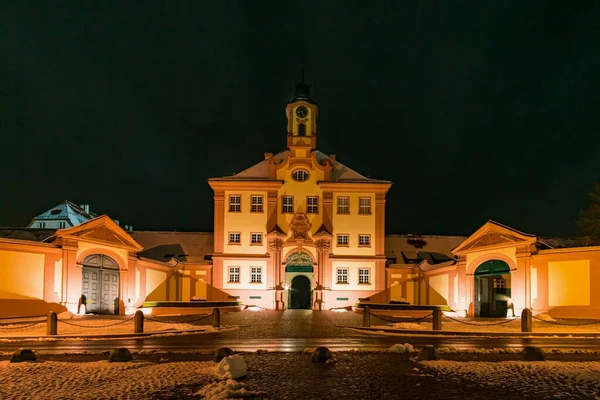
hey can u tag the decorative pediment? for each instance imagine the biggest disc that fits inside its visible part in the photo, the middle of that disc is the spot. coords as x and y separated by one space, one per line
491 239
103 234
101 229
493 234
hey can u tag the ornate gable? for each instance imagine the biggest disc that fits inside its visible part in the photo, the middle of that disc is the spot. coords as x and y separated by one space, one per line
103 234
493 234
101 229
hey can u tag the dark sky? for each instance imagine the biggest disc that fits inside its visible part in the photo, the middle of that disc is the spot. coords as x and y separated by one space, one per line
475 110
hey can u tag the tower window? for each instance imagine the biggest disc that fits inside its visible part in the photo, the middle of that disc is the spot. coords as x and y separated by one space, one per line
235 203
255 274
365 206
343 239
287 204
234 274
301 130
312 205
61 225
300 175
342 275
257 204
343 205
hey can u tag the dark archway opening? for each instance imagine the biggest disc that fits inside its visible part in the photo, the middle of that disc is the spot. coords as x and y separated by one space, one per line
492 289
300 296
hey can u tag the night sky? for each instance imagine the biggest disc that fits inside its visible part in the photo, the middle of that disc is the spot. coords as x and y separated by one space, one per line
474 110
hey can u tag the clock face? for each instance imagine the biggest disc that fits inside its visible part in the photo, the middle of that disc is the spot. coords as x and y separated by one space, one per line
301 112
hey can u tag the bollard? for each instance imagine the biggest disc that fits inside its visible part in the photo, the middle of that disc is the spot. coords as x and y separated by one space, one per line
216 318
52 324
367 316
437 319
526 320
139 322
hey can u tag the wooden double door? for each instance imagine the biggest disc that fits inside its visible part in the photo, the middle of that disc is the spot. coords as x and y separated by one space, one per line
100 286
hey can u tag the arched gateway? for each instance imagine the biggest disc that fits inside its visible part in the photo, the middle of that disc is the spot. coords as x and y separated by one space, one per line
492 289
299 268
100 286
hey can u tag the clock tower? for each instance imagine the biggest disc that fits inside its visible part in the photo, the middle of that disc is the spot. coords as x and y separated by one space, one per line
302 114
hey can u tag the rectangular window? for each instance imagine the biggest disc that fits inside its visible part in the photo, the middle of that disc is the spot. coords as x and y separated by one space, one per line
364 206
343 205
343 239
364 275
234 274
235 237
287 204
342 275
256 275
235 203
364 240
312 205
256 238
41 225
257 204
61 225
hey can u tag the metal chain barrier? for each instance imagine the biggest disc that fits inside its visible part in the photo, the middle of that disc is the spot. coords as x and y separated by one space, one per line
563 324
14 323
20 327
178 322
481 324
392 320
97 326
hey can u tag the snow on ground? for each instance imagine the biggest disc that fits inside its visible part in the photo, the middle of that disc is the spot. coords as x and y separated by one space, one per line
99 380
480 326
93 326
131 380
549 379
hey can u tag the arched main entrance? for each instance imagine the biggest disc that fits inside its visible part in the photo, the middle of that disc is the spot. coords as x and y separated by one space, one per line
300 293
299 272
100 287
492 289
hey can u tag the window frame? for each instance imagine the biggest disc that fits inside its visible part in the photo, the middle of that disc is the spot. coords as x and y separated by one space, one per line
239 242
346 206
307 175
361 235
339 235
283 205
233 274
308 206
338 275
252 242
253 274
259 207
62 225
361 276
360 206
232 206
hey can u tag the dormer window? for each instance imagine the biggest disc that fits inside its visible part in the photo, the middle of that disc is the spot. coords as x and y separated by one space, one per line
300 175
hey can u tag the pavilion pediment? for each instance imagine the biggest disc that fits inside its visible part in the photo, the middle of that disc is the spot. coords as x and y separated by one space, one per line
492 235
101 229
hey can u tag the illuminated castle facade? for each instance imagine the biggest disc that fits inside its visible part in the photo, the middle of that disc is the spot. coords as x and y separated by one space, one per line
299 229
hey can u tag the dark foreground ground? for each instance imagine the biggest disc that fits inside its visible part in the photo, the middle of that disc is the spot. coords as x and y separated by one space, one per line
353 375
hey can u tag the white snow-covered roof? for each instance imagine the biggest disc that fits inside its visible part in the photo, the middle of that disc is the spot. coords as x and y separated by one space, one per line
67 211
340 171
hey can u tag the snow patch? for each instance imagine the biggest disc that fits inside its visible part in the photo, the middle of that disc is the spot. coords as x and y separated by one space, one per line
402 348
226 389
232 367
254 308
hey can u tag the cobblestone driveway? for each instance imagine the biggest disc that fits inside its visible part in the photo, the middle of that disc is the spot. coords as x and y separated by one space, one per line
270 324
